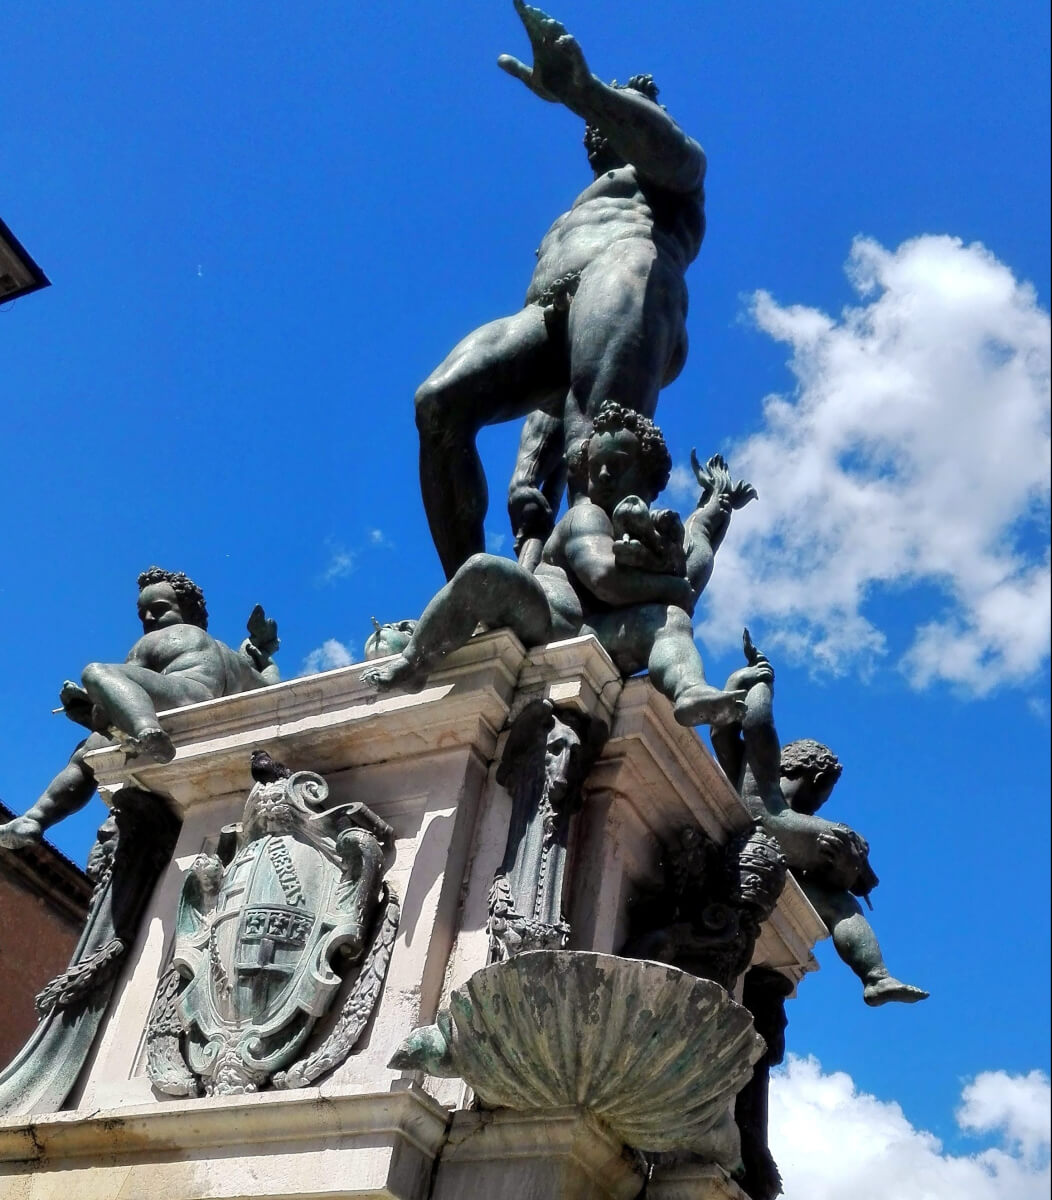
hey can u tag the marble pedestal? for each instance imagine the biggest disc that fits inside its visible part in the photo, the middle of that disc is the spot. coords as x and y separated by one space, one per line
426 764
693 1181
534 1156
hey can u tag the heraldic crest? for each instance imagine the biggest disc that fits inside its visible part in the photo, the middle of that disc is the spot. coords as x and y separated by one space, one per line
290 908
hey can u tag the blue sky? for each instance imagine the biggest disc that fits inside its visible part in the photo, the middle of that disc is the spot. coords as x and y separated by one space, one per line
265 225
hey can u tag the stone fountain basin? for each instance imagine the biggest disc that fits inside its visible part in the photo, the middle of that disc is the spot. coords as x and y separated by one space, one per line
654 1053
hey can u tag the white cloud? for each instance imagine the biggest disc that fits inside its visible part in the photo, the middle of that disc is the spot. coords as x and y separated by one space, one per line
343 559
832 1141
1016 1104
340 564
682 486
328 656
915 451
494 541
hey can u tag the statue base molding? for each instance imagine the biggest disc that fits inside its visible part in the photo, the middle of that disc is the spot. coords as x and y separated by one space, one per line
693 1181
274 1145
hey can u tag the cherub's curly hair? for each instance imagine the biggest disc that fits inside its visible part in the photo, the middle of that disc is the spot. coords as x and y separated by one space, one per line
656 460
812 759
191 598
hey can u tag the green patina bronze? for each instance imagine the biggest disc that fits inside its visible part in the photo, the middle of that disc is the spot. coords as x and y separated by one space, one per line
784 787
654 1053
604 315
133 847
612 567
175 662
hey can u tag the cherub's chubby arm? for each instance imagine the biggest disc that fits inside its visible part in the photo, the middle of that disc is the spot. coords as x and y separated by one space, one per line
588 548
707 525
809 842
641 132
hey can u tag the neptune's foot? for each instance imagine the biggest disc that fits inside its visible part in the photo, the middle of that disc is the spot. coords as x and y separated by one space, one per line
398 673
889 989
22 831
706 705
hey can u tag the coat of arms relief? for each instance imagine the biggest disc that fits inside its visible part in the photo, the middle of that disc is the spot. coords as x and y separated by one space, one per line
290 908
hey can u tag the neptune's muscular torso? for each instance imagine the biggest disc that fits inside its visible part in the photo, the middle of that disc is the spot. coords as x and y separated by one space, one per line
620 206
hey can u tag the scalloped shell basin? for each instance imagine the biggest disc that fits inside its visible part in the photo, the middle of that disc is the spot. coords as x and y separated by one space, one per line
654 1053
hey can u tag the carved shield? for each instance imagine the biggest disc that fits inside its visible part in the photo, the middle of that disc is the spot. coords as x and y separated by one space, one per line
258 959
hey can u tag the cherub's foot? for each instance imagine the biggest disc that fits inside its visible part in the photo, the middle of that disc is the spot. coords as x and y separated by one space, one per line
22 831
706 705
884 991
153 744
398 673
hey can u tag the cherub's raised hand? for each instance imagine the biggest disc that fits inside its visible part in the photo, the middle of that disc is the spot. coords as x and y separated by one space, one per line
741 494
758 671
263 632
714 479
749 649
559 70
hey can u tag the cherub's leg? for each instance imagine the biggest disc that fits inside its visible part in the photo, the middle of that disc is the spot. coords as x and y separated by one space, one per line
661 637
857 945
131 696
487 589
677 671
69 791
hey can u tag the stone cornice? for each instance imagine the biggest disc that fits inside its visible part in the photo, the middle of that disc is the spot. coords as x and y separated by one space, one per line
229 1121
650 759
466 702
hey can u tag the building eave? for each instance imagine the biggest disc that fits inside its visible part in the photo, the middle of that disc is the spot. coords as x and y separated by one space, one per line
19 272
